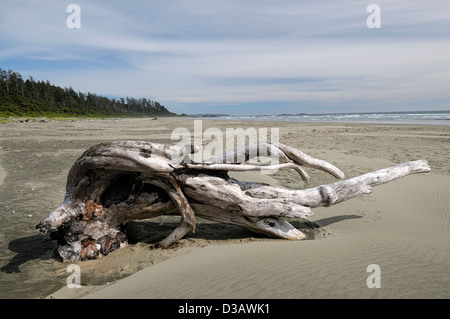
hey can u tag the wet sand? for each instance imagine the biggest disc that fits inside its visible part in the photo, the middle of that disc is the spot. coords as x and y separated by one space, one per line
403 226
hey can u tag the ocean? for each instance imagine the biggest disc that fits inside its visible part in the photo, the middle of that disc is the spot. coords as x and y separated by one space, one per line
414 117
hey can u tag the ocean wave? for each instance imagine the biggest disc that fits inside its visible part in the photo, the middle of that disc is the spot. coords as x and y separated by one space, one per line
425 117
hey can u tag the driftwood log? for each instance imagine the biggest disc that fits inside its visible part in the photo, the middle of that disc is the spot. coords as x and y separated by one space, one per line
113 183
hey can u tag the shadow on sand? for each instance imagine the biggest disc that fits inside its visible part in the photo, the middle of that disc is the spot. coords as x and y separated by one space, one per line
28 248
37 247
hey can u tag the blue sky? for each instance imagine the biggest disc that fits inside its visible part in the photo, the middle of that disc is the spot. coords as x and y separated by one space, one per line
238 57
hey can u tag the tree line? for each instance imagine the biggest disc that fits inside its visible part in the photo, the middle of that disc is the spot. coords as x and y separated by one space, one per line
19 97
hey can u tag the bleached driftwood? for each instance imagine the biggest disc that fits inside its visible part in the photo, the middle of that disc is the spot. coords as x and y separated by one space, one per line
113 183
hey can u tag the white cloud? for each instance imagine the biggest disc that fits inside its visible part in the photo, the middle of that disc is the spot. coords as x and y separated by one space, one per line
175 51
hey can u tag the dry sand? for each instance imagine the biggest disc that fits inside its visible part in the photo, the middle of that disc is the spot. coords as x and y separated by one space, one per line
403 226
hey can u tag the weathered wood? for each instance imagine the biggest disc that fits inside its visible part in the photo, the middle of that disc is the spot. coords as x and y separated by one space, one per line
181 203
113 183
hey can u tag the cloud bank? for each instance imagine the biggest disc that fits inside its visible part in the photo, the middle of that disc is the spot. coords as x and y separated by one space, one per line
242 57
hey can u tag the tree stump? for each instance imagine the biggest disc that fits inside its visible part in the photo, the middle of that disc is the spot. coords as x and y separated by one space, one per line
113 183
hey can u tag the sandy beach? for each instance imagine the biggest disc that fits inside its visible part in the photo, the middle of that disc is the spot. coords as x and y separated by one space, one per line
403 226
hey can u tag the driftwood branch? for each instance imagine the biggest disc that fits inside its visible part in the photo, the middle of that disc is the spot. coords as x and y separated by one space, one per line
113 183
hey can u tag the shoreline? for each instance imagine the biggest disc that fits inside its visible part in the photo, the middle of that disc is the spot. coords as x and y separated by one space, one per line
441 117
324 122
403 226
243 118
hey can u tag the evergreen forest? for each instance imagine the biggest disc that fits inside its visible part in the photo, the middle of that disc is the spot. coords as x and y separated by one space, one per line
20 97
